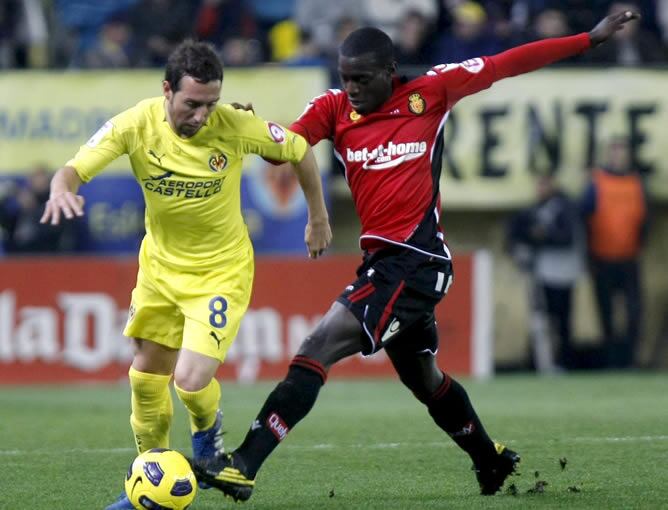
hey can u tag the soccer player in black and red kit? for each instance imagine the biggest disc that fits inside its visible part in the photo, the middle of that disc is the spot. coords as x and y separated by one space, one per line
388 135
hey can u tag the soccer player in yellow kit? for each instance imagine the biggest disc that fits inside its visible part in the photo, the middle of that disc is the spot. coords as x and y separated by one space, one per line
196 260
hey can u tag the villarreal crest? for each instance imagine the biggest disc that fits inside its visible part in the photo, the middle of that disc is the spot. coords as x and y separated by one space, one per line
217 162
417 104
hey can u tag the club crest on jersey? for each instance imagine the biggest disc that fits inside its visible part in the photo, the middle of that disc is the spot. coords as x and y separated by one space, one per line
354 116
417 104
217 162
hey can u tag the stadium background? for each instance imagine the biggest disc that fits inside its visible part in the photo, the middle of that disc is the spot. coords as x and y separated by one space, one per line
54 95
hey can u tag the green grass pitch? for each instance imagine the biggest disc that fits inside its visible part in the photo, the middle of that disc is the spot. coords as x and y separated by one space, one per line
365 445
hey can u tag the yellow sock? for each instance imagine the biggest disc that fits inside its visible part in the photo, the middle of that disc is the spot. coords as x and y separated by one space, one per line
151 409
201 405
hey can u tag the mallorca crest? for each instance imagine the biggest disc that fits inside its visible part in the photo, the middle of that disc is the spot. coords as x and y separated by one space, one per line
416 104
217 162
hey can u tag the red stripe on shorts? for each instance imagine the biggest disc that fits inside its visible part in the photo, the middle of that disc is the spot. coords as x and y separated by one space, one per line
361 293
388 310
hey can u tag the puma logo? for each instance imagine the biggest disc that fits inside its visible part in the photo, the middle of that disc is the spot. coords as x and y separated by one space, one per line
215 337
151 152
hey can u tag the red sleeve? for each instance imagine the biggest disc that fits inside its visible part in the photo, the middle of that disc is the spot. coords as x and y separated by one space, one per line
535 55
317 121
471 76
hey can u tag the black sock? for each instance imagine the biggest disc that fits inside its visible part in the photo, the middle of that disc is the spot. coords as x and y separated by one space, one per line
290 401
451 409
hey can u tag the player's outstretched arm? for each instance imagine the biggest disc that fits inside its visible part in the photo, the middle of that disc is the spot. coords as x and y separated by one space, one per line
609 25
63 198
532 56
318 233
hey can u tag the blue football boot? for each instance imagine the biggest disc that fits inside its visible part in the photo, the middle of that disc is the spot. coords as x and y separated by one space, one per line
208 444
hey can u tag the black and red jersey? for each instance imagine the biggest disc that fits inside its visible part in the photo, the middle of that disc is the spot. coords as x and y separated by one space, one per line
392 157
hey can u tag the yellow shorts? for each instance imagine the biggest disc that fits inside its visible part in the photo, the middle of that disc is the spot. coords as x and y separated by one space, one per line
199 311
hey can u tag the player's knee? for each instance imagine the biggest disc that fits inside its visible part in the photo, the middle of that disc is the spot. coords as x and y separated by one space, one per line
191 380
316 347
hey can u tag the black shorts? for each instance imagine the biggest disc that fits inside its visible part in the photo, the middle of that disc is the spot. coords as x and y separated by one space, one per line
396 288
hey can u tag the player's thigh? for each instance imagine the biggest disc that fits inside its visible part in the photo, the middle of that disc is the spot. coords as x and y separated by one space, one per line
396 288
337 336
214 304
153 315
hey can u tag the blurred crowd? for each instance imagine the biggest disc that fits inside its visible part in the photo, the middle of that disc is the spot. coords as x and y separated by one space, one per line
95 34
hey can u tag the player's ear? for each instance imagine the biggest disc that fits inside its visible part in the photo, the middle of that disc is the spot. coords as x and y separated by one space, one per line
392 68
167 90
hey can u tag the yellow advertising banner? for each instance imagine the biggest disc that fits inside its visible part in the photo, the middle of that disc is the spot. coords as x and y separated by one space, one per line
552 121
46 116
497 141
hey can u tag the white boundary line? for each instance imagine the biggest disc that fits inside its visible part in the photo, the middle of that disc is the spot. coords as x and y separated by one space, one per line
332 446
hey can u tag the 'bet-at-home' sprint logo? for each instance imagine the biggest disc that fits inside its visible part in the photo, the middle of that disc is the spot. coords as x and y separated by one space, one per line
387 156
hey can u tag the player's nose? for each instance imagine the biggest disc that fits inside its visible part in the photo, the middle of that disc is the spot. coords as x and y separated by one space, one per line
200 115
351 88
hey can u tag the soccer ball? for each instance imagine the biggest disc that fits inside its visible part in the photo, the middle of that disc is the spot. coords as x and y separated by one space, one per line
160 479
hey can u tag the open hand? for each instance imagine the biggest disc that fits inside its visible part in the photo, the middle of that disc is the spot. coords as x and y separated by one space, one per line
68 204
609 25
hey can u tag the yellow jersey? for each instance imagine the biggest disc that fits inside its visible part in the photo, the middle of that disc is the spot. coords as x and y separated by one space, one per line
191 185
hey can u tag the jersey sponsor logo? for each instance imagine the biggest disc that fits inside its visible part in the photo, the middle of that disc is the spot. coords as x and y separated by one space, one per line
277 426
386 156
200 188
391 330
99 134
276 132
160 177
217 162
416 104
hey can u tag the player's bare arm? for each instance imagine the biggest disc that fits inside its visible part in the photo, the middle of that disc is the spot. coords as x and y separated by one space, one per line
63 198
609 25
318 233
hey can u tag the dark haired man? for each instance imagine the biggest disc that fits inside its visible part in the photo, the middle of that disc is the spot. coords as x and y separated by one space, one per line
196 260
388 136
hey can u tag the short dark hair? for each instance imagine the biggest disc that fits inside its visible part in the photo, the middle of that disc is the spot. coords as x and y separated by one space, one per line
369 40
196 59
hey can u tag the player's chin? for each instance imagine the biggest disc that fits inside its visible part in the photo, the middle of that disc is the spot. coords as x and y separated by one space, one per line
361 107
190 129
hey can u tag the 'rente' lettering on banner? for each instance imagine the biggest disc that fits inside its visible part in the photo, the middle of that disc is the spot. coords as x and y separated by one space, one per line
496 142
61 320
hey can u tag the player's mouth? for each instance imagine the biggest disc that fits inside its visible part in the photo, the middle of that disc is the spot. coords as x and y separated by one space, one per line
357 104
